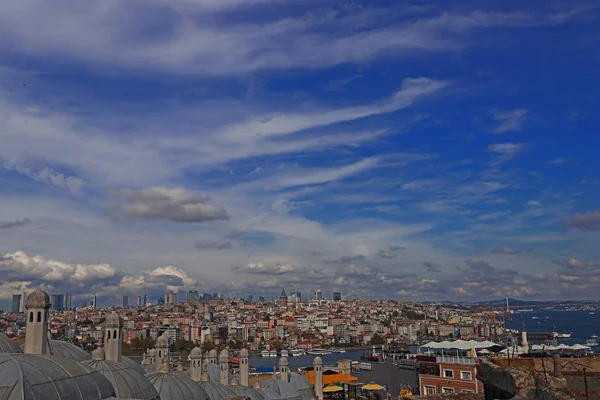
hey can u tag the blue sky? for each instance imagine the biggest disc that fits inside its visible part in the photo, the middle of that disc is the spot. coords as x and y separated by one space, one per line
406 150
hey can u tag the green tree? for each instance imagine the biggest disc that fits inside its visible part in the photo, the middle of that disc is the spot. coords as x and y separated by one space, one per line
207 345
376 339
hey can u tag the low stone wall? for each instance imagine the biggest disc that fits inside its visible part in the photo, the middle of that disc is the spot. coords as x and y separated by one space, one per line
592 364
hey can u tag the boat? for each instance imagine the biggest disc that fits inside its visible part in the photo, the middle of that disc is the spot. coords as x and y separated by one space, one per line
273 353
284 353
318 352
534 317
562 335
264 353
296 353
591 342
592 313
594 336
337 350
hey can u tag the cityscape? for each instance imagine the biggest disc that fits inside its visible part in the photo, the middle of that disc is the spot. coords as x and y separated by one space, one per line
299 200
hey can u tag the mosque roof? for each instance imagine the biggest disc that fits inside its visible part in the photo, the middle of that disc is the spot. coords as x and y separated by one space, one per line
281 389
215 390
67 350
35 377
299 382
245 391
127 382
214 373
177 387
7 345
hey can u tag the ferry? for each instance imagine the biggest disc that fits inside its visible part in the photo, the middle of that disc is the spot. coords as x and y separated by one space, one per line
318 352
273 353
284 353
561 335
264 353
591 342
592 313
337 350
594 336
296 353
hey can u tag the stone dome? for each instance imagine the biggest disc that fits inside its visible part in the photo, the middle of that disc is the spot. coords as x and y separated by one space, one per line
128 362
112 319
176 387
281 390
215 390
245 391
196 353
299 381
126 382
7 345
38 298
243 353
162 341
33 376
67 350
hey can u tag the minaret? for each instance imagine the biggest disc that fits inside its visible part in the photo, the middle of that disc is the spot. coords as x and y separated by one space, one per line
524 336
162 350
283 369
196 364
244 373
212 356
318 371
112 337
224 367
36 338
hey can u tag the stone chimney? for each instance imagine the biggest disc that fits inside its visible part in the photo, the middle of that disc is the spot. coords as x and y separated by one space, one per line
112 336
162 350
224 367
36 338
196 364
318 371
283 369
244 372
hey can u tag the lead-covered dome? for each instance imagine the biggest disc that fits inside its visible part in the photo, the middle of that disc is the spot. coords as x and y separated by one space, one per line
38 298
34 377
280 390
67 350
247 392
127 383
176 387
7 345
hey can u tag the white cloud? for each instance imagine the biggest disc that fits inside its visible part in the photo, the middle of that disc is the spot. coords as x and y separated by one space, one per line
506 151
511 120
178 205
263 269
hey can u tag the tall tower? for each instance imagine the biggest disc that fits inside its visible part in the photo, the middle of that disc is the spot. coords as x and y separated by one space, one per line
283 369
283 299
318 369
139 301
244 373
224 367
112 336
68 305
196 364
162 349
212 357
93 301
125 301
16 303
37 306
23 301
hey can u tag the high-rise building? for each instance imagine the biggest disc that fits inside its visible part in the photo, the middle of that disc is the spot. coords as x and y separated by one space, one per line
15 307
145 300
23 300
298 296
283 299
68 305
170 298
250 298
193 296
337 296
318 294
83 304
139 301
93 302
261 299
57 302
125 301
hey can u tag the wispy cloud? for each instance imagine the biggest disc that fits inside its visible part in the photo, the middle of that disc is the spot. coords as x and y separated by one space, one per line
511 120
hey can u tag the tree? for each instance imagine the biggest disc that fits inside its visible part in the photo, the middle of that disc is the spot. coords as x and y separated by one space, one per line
207 345
376 339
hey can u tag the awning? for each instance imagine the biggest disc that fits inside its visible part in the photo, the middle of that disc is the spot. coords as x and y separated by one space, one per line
372 386
333 378
332 389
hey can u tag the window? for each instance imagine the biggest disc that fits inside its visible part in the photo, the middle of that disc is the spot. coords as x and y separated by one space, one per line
109 334
115 334
447 390
465 375
30 317
448 373
467 391
39 318
429 389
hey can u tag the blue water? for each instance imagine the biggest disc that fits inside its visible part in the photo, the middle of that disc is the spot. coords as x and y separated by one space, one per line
306 360
581 324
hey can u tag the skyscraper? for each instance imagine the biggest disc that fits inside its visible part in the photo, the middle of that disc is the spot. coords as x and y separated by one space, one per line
145 300
15 307
193 296
298 296
57 302
170 298
93 302
318 294
337 296
125 301
23 300
139 301
68 305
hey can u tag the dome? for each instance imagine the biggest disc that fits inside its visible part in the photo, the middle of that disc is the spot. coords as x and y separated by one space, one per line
126 381
33 376
214 373
67 350
215 390
112 319
162 341
7 345
38 298
128 362
244 391
224 356
176 387
282 390
196 353
299 381
243 353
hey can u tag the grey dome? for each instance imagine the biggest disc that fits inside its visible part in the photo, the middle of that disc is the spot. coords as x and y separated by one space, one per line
282 390
214 373
299 382
245 391
7 345
128 362
38 298
67 350
126 382
215 390
176 387
37 377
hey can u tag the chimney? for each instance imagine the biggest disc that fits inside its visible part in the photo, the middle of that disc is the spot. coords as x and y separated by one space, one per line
196 364
224 367
283 369
318 371
112 336
36 338
244 373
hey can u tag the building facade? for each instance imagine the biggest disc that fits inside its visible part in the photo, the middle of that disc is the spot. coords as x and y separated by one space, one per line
448 374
